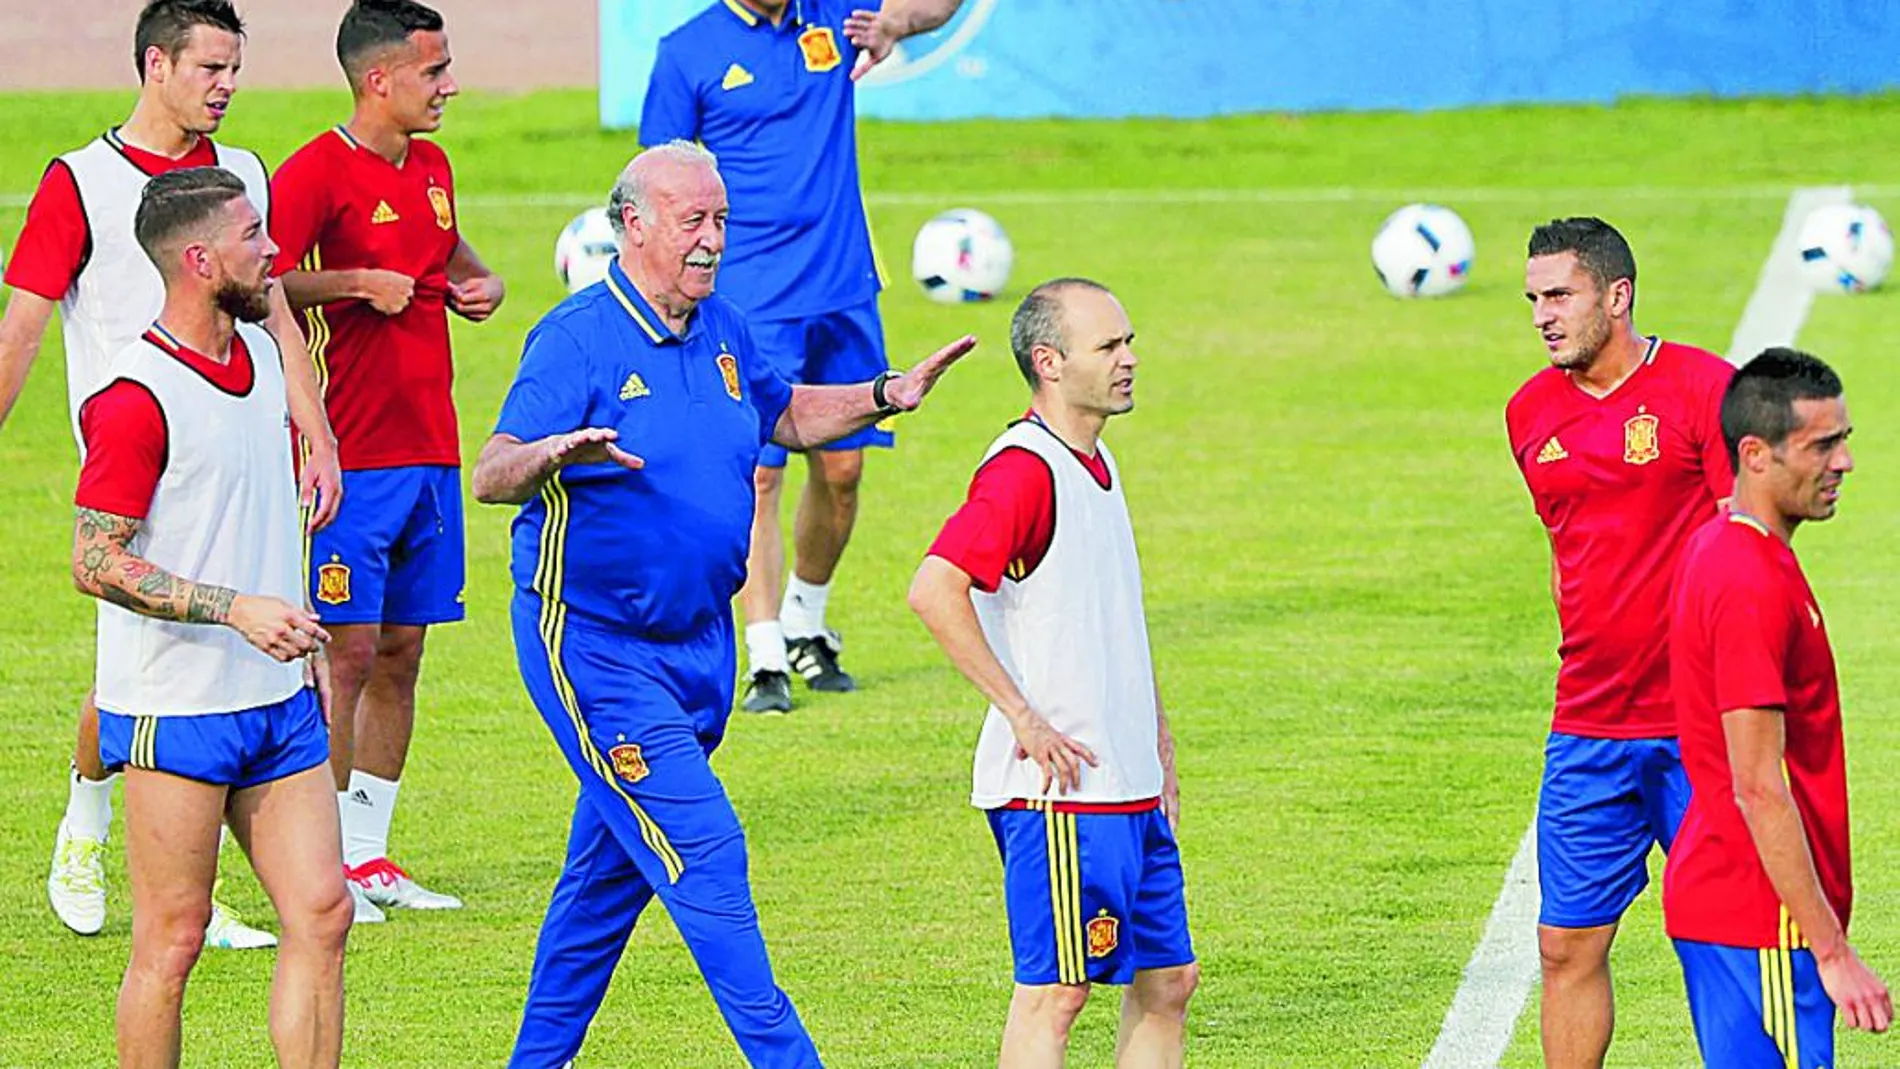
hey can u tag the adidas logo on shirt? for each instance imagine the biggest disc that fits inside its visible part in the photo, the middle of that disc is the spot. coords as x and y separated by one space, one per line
1553 451
635 386
736 76
383 214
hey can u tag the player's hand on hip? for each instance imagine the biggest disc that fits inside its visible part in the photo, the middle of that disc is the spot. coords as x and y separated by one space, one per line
389 292
873 38
590 445
477 298
320 487
907 391
283 630
1060 757
1860 995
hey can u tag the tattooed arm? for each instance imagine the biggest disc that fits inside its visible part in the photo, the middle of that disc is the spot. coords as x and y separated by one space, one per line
105 567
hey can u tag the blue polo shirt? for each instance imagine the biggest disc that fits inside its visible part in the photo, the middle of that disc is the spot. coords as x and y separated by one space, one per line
775 104
657 552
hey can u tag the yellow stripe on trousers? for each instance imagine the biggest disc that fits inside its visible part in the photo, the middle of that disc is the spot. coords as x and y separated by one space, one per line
550 571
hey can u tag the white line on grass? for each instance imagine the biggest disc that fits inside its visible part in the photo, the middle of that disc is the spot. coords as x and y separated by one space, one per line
1232 195
1498 978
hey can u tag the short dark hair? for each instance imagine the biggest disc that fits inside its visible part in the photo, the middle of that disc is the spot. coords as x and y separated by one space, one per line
1038 321
167 25
1599 248
1759 401
373 27
181 202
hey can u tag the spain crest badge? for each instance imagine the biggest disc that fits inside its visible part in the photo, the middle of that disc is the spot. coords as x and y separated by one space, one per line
729 371
627 762
1104 934
444 212
1642 440
820 49
333 583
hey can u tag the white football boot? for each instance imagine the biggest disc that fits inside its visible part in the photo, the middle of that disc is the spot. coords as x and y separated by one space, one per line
383 882
76 886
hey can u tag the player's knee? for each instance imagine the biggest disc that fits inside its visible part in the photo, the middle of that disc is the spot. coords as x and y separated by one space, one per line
399 653
766 483
1571 951
1057 1005
840 473
170 944
352 653
1168 990
325 920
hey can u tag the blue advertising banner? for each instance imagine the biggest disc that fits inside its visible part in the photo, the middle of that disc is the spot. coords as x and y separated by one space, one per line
1194 58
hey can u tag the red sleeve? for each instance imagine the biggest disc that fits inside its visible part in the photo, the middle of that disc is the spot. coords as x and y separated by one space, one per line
299 203
56 242
1750 629
126 446
1717 471
1005 526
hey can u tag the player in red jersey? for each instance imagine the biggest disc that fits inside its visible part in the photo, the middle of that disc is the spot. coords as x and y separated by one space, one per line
1759 886
1620 442
77 252
368 223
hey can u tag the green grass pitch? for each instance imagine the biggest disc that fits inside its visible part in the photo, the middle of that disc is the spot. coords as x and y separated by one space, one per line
1346 588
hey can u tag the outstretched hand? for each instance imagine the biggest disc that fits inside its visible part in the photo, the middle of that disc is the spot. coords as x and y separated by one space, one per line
590 445
907 391
873 37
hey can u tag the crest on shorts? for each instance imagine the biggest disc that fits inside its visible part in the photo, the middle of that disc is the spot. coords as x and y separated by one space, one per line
444 212
729 371
333 583
820 48
628 764
1104 934
1641 441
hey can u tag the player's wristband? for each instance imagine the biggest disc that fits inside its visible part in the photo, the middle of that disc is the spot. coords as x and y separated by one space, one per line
883 403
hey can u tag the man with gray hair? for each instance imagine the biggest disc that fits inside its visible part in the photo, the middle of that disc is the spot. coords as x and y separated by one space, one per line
1075 766
629 439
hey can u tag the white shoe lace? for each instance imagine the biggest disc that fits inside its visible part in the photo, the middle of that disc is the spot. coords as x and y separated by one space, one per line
81 868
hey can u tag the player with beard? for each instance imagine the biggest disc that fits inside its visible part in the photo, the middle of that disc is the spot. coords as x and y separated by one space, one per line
187 530
77 251
1620 442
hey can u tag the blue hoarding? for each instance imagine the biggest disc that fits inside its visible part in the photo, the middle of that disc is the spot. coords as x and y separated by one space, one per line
1193 58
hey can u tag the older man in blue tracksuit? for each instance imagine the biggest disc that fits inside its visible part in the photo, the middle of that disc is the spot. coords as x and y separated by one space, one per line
629 439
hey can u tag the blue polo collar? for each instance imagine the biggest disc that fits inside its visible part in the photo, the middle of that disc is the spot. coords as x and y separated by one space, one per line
650 322
753 19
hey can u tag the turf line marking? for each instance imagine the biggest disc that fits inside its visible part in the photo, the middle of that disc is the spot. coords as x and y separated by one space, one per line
1782 297
1220 195
1498 978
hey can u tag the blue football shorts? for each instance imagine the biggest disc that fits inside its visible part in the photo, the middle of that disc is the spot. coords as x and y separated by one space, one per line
1604 804
1757 1009
834 349
394 553
1095 892
241 749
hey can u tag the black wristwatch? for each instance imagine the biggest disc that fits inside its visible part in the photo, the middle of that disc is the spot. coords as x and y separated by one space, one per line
884 406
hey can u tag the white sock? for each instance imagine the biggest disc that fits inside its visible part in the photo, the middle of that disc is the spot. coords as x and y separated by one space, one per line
367 807
89 807
765 647
803 611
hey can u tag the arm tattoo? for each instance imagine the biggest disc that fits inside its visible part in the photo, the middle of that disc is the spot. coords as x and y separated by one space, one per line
105 567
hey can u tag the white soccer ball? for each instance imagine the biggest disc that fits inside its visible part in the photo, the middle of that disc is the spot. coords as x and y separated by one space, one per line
584 249
1423 250
1845 248
961 255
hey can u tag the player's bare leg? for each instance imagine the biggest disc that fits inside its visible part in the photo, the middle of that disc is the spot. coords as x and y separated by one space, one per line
1036 1036
1154 1018
286 828
827 511
385 722
171 832
76 882
768 679
1578 1012
352 653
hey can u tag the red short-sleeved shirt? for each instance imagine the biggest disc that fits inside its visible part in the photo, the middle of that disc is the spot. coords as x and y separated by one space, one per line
1006 523
127 444
338 205
1621 482
1747 634
56 242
